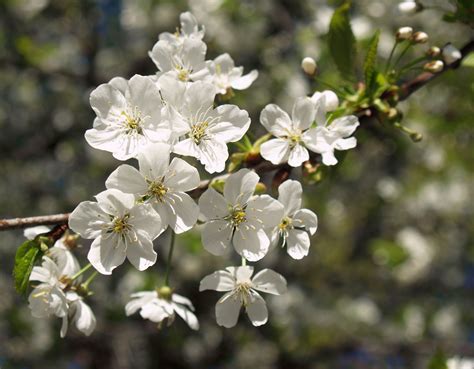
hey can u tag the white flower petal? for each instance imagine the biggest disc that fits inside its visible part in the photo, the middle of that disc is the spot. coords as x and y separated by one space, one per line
233 123
241 274
227 310
84 317
216 236
264 210
344 126
257 309
276 150
106 254
251 244
143 217
307 219
213 155
181 176
303 113
187 147
154 160
182 300
154 312
104 97
187 316
275 120
115 202
141 253
213 205
138 301
297 243
221 280
270 282
127 179
199 97
345 143
289 194
31 232
88 219
245 81
182 212
298 155
329 158
240 186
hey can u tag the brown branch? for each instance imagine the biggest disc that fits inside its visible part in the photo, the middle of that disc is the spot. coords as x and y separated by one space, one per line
409 87
33 221
255 162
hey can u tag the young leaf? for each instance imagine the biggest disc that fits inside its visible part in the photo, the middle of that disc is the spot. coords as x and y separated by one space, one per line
26 256
370 61
341 40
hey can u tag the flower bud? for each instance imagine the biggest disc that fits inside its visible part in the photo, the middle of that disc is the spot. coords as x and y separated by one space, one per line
433 51
404 33
331 100
309 66
420 37
434 66
408 7
451 54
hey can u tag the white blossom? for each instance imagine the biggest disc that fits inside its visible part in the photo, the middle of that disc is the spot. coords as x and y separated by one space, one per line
297 224
128 118
54 296
225 75
120 229
291 142
185 62
157 308
241 290
329 136
204 130
238 218
458 362
162 185
189 30
48 298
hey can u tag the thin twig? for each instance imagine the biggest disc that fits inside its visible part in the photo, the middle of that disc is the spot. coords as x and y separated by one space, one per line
33 221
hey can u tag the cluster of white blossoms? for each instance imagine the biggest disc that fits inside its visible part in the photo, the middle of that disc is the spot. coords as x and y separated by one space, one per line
59 292
152 119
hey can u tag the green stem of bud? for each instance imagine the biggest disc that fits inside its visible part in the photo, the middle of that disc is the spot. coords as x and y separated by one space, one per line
90 279
81 272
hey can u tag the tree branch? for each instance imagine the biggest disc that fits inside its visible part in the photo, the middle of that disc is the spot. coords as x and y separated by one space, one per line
255 162
33 221
411 86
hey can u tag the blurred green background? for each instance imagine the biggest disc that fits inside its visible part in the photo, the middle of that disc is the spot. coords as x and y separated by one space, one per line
390 275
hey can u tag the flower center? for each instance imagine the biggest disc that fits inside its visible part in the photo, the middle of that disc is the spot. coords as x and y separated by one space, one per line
158 190
294 139
198 131
121 225
132 121
285 224
183 73
237 216
242 290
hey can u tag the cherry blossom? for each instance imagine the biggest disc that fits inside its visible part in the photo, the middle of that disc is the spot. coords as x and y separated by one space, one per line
120 229
238 218
162 185
162 304
297 224
241 290
128 118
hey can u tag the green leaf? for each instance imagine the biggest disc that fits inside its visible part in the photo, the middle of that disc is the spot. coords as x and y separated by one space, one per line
370 61
341 40
26 256
438 361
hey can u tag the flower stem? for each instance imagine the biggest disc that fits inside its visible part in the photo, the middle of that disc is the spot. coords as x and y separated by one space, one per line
404 51
90 279
170 256
244 261
389 60
82 271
